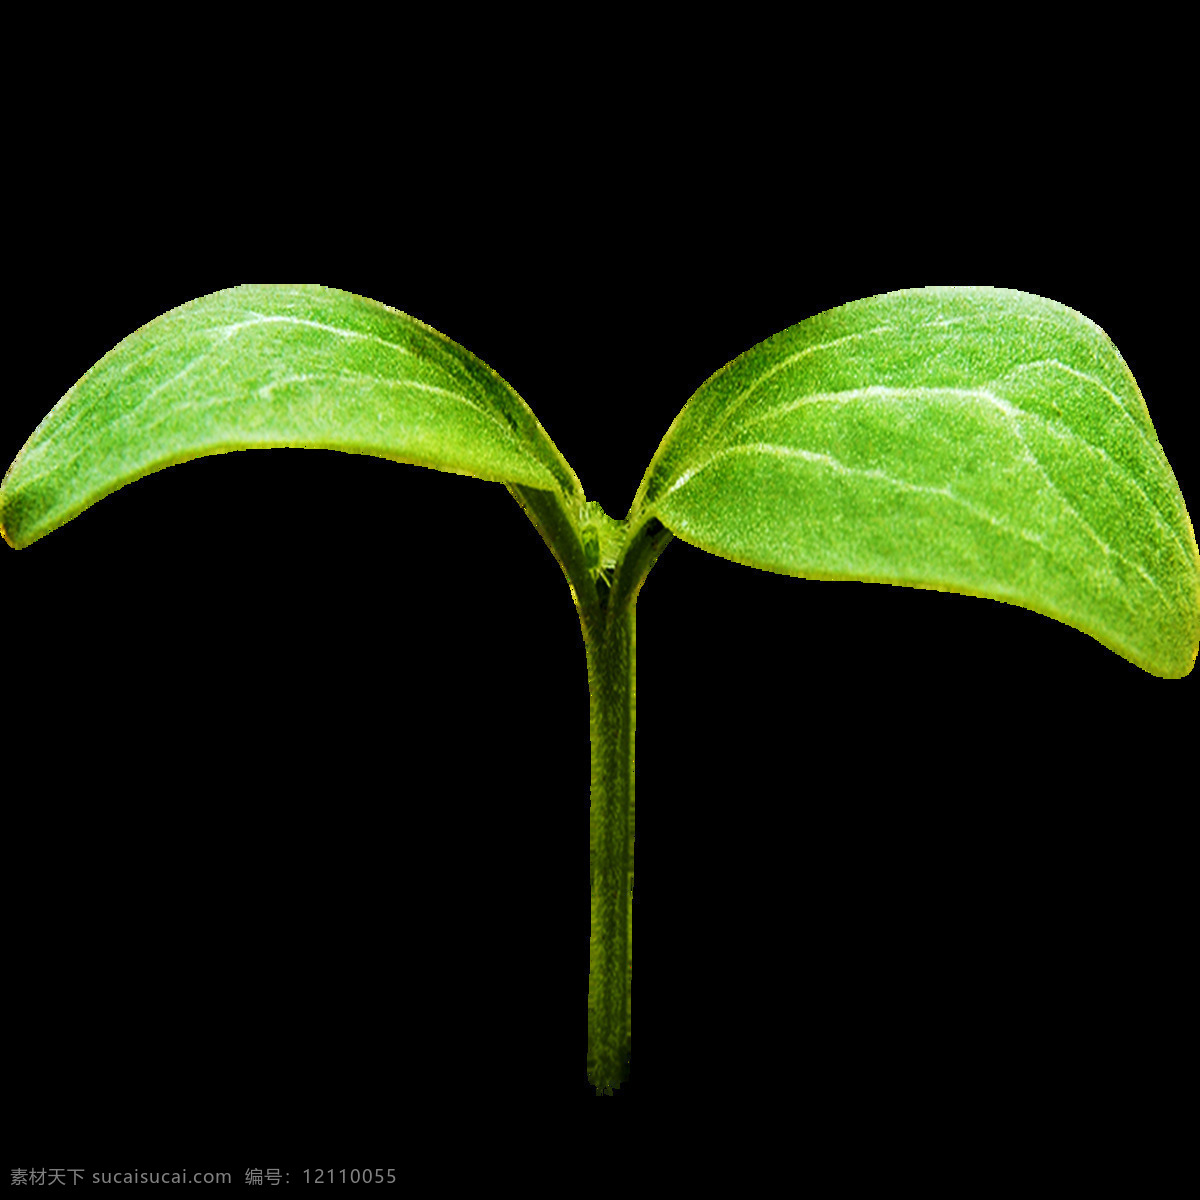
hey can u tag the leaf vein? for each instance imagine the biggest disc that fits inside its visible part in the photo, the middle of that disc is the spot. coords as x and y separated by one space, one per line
792 452
1011 411
229 331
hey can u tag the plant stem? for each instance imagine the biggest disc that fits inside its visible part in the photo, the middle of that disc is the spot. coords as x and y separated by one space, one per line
611 645
606 617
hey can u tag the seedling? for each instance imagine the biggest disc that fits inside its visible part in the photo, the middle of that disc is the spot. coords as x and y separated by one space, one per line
972 440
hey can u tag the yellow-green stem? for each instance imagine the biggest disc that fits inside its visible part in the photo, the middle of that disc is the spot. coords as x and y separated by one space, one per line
610 646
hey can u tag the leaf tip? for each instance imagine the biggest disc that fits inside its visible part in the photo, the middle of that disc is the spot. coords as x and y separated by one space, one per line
1188 669
4 527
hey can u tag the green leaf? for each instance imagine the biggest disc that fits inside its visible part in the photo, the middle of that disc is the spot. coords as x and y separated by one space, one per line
260 366
973 440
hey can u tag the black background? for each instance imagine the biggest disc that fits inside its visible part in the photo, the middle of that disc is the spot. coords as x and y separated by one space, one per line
296 743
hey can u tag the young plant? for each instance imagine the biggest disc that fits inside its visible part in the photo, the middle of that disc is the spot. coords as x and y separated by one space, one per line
973 440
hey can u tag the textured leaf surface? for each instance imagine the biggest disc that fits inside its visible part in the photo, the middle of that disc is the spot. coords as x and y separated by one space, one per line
265 365
974 440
